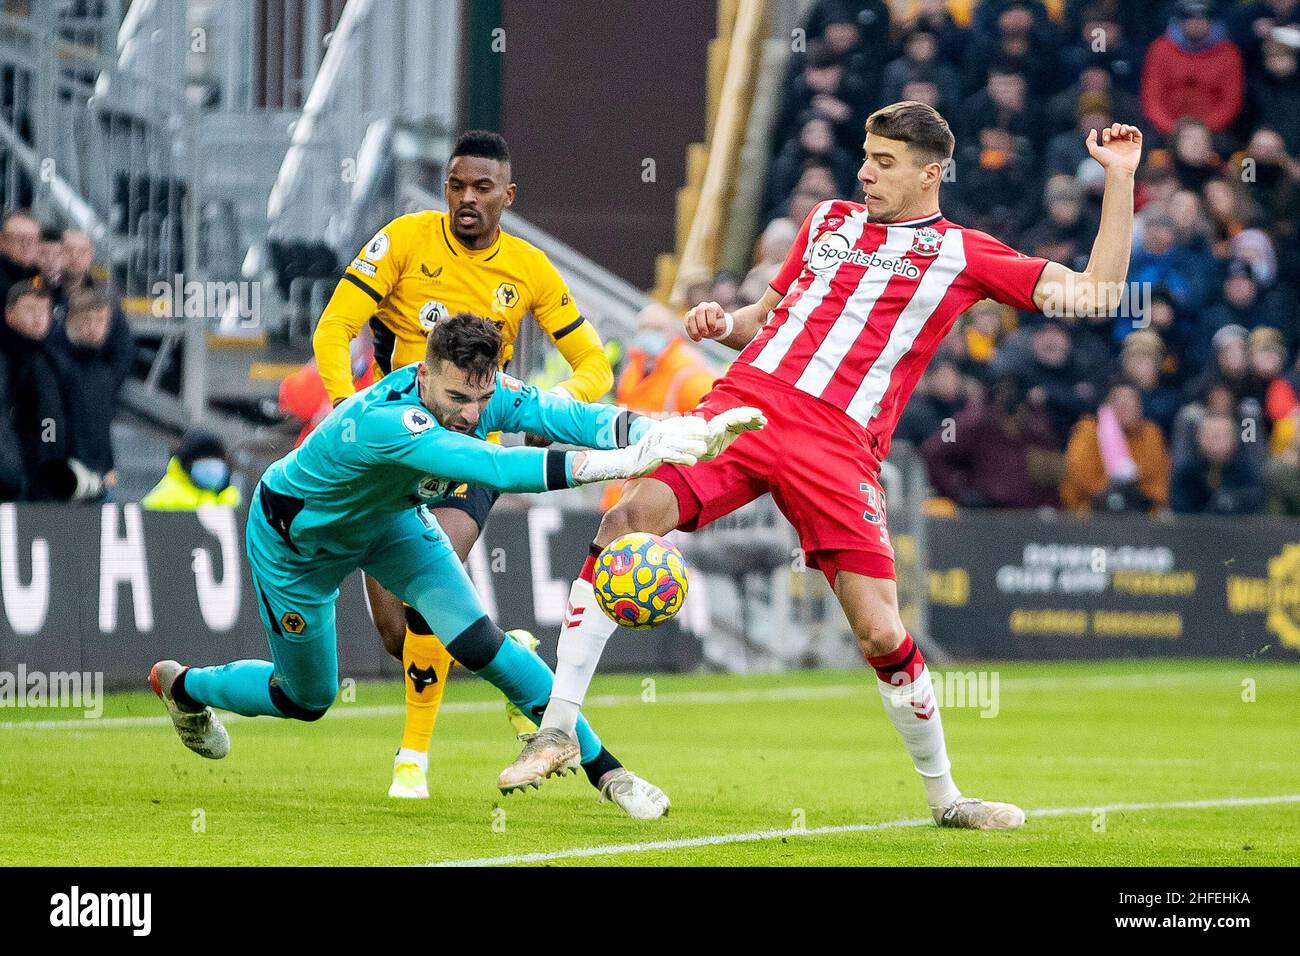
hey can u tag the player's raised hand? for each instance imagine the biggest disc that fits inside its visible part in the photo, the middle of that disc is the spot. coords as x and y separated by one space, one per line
726 427
1118 148
708 320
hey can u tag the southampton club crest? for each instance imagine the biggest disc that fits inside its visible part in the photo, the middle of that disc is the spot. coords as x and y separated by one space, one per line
926 241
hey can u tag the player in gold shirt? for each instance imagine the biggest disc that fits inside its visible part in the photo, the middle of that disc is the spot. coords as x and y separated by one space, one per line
418 269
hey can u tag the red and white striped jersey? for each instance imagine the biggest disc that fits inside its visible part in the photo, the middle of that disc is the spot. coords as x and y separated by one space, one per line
864 306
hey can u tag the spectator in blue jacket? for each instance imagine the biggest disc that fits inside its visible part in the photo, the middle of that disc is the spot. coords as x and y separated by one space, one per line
1216 477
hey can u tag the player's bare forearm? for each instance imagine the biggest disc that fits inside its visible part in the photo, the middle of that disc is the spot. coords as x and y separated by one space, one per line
748 320
1099 288
708 320
1109 260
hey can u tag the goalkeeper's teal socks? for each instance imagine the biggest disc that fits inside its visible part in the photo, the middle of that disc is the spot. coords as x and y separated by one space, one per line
243 687
526 681
518 673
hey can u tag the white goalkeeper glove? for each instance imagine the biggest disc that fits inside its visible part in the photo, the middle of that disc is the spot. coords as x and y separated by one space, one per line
678 441
726 427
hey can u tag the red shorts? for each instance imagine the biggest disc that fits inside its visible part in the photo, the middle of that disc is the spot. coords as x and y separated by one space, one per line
813 459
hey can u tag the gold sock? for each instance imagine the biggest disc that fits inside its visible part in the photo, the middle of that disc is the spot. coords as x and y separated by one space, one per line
425 663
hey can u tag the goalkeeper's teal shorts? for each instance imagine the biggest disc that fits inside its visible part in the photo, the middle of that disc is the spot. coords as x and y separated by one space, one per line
412 557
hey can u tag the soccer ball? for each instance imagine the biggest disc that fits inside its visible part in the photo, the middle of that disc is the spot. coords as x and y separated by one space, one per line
640 580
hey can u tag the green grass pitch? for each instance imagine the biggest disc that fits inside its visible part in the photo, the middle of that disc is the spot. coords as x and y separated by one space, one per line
804 752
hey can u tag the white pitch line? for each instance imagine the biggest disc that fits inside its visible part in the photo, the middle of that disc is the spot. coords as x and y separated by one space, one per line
620 849
829 692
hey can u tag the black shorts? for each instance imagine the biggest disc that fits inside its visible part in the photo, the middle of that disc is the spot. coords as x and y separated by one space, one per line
475 500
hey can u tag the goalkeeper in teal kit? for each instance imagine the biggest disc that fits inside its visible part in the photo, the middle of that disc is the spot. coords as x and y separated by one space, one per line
349 497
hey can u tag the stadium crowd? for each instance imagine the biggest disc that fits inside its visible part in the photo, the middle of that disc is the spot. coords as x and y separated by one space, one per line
1187 400
65 351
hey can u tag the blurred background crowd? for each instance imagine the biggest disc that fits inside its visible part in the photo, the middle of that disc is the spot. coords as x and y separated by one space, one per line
1188 400
65 351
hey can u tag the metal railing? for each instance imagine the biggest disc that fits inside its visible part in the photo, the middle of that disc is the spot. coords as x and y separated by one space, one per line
90 144
363 80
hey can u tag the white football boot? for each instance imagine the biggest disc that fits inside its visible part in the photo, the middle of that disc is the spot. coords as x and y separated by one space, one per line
970 813
638 798
200 730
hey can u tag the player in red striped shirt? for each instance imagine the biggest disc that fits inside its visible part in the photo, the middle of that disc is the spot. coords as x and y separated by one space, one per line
830 355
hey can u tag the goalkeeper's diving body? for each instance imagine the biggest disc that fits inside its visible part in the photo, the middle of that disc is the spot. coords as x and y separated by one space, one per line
417 270
349 497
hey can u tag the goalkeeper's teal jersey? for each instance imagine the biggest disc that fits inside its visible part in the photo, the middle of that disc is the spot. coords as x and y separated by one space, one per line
381 452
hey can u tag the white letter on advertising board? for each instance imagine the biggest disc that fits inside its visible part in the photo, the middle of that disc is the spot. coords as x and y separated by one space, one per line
25 606
549 593
218 600
123 560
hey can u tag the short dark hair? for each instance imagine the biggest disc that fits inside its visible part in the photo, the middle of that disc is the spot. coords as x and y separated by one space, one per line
918 125
469 342
481 142
18 290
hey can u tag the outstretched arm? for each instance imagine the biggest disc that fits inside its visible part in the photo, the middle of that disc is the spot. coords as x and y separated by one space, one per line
516 407
519 407
1099 288
412 439
708 320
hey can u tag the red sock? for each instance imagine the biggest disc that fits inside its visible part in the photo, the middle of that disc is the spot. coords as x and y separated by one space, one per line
588 572
904 659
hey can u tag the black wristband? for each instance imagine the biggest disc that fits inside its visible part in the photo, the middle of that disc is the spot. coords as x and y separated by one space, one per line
557 470
623 428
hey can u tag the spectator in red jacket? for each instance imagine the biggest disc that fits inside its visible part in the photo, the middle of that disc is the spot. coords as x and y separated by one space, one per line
1193 70
303 396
